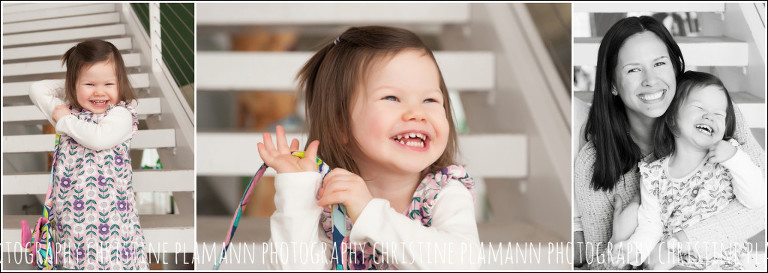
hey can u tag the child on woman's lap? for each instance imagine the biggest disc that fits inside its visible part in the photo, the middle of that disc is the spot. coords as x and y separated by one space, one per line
379 115
700 170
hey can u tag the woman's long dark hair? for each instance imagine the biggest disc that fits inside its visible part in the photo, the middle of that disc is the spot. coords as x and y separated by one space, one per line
665 127
607 124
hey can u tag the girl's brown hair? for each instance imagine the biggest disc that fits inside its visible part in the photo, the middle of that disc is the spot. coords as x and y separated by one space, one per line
328 82
88 53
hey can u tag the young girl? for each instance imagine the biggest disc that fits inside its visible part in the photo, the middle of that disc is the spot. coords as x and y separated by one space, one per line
379 115
97 223
700 170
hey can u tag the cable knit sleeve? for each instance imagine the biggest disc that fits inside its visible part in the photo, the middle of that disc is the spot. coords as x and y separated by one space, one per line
736 222
594 206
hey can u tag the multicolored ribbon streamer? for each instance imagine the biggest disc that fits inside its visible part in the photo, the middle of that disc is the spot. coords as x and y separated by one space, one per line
338 216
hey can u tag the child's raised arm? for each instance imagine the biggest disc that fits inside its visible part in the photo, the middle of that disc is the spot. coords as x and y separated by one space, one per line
115 128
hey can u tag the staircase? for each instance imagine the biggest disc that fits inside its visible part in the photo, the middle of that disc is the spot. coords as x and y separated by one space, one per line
730 43
34 38
504 146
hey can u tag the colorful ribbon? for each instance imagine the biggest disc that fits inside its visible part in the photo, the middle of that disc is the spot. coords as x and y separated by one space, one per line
338 216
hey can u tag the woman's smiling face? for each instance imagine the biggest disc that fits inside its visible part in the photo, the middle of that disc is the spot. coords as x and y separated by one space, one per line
644 76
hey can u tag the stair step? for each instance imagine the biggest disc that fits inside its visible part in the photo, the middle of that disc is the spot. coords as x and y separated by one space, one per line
146 106
144 139
22 7
162 233
139 80
64 35
33 13
696 50
235 154
332 14
54 66
143 181
751 106
55 49
217 71
66 22
648 7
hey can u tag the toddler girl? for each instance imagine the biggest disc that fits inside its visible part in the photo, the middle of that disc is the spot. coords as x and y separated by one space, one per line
94 210
379 115
699 171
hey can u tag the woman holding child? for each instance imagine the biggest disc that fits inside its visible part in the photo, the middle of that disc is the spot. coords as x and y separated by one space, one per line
638 69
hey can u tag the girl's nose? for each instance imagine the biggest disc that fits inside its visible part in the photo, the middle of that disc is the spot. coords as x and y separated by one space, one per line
415 113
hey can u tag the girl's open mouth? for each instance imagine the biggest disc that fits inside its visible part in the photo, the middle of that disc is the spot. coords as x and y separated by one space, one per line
412 140
705 129
100 103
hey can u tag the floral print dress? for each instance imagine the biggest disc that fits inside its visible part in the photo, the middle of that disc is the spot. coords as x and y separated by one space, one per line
686 201
420 209
94 210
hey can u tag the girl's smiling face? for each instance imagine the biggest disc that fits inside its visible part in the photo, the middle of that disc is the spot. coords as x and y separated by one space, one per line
97 87
701 120
398 117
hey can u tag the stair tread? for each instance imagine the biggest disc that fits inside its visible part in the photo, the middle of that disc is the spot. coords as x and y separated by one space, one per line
320 13
39 51
25 7
462 70
648 7
751 106
235 154
144 139
66 22
143 181
55 66
697 51
64 35
145 106
46 13
10 89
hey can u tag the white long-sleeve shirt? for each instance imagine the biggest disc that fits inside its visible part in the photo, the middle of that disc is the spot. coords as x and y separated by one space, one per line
405 243
112 130
748 187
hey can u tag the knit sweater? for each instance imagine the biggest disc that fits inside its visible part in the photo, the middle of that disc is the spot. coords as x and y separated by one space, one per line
734 223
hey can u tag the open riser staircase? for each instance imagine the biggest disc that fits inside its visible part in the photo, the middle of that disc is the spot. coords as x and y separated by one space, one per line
34 38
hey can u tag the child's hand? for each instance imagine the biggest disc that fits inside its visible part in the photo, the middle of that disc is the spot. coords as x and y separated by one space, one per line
619 255
661 258
59 112
721 151
281 159
624 219
342 186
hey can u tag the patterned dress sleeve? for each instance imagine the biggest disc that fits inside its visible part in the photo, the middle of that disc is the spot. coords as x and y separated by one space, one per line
736 222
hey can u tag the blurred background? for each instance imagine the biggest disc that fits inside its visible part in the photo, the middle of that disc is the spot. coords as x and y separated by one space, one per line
507 67
724 39
157 44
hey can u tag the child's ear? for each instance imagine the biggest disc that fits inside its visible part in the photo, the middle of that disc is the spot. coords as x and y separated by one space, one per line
673 128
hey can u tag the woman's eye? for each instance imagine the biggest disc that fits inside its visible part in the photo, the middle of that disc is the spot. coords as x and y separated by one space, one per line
659 63
392 98
633 70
